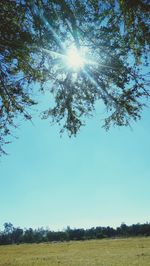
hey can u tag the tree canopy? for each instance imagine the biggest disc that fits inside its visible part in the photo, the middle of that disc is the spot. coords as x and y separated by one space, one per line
110 39
12 235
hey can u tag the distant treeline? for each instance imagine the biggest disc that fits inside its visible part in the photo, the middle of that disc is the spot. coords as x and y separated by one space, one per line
12 235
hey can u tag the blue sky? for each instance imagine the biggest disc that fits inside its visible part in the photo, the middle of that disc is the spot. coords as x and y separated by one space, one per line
97 178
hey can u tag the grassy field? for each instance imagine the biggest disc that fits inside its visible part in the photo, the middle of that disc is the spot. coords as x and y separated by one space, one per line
114 252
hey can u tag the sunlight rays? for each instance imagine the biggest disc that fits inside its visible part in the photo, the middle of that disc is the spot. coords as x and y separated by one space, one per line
71 59
74 58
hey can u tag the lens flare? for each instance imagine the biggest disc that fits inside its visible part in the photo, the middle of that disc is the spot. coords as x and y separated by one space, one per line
74 58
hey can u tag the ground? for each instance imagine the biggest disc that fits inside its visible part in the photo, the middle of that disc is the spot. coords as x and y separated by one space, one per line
111 252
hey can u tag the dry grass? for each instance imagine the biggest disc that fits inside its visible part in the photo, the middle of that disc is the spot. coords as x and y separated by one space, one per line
115 252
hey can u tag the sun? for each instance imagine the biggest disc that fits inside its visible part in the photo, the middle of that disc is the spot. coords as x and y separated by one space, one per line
74 59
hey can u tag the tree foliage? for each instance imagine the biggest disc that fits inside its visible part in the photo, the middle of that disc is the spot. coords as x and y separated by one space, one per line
12 235
34 39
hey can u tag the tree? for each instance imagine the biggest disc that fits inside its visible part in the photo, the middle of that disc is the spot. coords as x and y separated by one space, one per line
29 236
16 72
8 230
40 43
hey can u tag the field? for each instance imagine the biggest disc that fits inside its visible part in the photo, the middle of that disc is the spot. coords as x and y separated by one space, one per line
114 252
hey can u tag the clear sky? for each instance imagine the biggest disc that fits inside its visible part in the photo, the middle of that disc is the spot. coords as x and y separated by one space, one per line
98 178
